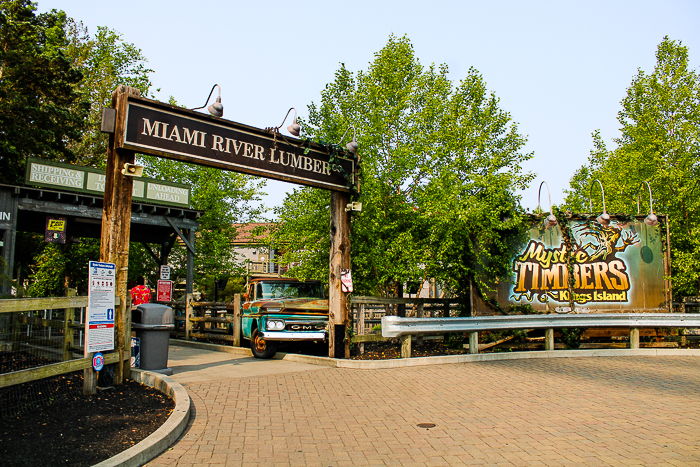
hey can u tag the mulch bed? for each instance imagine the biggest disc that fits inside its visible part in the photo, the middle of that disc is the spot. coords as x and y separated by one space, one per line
81 430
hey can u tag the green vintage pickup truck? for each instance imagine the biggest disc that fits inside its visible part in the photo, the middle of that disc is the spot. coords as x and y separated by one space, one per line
277 310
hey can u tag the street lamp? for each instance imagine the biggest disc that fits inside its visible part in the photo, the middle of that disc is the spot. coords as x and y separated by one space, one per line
551 220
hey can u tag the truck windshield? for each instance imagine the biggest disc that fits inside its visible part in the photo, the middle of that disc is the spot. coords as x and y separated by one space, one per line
288 290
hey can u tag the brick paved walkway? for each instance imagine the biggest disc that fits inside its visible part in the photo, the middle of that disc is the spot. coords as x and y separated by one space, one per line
578 411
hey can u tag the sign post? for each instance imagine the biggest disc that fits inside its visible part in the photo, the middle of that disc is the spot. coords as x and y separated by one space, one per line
116 225
338 305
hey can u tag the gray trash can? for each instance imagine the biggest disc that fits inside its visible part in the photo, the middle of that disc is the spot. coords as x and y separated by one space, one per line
152 323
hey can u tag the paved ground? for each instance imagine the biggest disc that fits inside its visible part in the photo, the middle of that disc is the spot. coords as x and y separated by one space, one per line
578 411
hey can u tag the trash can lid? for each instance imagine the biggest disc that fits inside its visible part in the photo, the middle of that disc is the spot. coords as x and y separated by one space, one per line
154 313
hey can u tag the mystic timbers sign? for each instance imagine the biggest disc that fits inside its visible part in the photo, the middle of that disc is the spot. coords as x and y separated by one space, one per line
616 267
155 128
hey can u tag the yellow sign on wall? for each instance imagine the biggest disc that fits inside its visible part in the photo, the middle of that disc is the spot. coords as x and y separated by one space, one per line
57 225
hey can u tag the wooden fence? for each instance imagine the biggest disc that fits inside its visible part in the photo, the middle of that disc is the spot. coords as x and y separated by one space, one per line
21 318
213 321
367 313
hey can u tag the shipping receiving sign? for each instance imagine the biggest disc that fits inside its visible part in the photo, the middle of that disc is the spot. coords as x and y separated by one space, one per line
89 180
162 130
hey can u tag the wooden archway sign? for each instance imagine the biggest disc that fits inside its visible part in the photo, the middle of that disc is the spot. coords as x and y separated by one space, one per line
151 127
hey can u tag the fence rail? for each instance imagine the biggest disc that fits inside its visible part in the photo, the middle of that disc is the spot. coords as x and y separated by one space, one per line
404 328
46 328
223 320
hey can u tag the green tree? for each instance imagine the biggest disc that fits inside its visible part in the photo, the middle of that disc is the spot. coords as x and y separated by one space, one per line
439 167
659 142
100 64
41 110
106 62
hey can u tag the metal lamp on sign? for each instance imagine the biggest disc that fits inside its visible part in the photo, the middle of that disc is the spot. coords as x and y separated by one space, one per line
217 108
551 219
604 218
294 129
352 146
651 220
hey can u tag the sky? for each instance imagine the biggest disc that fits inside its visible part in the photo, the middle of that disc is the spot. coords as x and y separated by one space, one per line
559 68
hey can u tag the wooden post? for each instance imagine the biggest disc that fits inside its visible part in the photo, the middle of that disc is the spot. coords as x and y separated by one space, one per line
406 346
338 319
634 338
474 342
189 286
237 320
189 312
126 354
68 328
116 222
361 326
549 339
667 267
90 379
419 314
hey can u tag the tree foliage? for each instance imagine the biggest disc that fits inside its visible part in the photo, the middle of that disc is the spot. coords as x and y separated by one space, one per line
58 266
659 142
41 110
439 166
105 62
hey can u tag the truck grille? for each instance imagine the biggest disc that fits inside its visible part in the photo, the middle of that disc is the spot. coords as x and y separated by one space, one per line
296 326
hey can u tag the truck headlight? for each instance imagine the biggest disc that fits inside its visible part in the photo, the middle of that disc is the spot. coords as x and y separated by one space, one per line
275 325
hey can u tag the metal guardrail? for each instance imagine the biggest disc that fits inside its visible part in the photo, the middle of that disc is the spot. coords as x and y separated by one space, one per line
393 326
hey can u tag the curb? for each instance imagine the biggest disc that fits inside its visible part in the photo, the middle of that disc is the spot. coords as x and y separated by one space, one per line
167 434
213 347
446 359
486 357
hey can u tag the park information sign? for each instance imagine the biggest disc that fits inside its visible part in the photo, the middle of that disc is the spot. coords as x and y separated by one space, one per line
163 130
618 267
70 177
100 311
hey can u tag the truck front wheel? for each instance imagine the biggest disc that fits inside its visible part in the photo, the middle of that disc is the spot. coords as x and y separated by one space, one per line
260 347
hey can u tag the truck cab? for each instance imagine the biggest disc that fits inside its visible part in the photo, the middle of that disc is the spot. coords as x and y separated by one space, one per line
279 309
